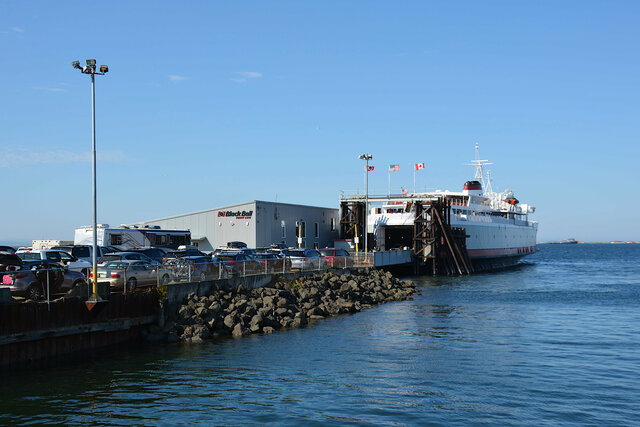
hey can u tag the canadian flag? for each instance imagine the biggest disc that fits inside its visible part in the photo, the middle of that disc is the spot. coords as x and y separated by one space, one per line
419 166
370 168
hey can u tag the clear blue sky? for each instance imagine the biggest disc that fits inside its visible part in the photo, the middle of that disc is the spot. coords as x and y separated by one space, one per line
213 103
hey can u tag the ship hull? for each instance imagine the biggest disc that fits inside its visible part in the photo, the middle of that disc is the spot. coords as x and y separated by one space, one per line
493 242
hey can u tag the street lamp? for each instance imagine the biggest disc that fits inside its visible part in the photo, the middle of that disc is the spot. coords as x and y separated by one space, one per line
90 69
366 157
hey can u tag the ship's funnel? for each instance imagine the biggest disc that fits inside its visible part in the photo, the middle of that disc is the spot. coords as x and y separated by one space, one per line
472 187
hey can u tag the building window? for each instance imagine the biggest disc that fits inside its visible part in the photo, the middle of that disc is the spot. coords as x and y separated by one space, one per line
333 224
317 230
116 239
284 229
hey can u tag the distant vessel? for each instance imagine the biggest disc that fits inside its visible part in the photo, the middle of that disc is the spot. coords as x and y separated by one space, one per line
569 241
497 225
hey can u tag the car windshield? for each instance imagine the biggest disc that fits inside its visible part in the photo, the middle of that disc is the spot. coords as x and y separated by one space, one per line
326 252
116 265
112 257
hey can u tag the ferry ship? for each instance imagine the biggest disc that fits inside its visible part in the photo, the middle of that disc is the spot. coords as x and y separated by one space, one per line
498 229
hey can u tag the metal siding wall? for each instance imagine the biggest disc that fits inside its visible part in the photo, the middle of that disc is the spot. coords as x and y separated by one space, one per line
272 214
263 229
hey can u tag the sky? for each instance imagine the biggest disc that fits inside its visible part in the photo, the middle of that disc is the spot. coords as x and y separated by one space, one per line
209 103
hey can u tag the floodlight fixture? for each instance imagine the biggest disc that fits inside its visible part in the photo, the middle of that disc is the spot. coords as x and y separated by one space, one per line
76 64
104 69
91 62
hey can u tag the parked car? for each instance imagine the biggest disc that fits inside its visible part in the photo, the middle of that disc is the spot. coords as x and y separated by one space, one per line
196 268
238 263
306 259
84 252
127 256
246 251
9 261
338 258
56 256
135 272
156 254
31 282
272 263
179 253
8 249
236 245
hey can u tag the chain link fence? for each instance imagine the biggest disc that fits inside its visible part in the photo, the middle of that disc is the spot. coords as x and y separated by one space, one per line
46 283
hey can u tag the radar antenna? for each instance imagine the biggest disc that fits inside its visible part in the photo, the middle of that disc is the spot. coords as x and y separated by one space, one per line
479 164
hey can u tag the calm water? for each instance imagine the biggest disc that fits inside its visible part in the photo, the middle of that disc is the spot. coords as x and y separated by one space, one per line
555 341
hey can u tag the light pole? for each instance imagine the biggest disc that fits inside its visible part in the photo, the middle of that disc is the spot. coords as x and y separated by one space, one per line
90 69
366 158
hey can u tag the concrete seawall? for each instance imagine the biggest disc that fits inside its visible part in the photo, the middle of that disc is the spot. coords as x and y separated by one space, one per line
31 332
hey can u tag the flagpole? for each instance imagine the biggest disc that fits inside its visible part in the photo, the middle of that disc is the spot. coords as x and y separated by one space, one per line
414 178
389 187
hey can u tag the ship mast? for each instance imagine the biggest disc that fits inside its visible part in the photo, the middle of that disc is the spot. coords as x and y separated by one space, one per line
479 164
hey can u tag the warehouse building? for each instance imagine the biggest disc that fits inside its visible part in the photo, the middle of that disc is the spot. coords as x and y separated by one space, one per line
257 223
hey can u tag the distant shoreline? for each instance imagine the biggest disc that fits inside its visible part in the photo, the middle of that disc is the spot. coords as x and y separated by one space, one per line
591 243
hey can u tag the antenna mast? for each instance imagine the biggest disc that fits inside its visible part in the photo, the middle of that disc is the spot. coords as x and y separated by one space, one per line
479 164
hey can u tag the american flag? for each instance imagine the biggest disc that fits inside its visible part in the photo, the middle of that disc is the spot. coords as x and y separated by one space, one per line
394 168
405 191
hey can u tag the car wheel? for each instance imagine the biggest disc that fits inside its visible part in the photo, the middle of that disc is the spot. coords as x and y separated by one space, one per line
165 279
78 283
34 292
131 284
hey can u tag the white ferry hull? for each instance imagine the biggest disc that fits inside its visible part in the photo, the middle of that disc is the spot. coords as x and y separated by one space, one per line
489 240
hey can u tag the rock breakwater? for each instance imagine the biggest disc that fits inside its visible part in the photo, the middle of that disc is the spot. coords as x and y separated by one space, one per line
283 304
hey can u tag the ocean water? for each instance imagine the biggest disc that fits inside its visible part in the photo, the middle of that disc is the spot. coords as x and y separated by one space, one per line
554 341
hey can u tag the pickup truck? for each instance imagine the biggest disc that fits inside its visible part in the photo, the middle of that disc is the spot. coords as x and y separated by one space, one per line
59 257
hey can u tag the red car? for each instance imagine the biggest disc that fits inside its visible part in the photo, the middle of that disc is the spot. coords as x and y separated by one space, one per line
337 258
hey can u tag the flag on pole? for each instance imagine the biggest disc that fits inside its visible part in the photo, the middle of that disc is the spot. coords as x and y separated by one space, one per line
370 168
405 191
419 166
394 168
